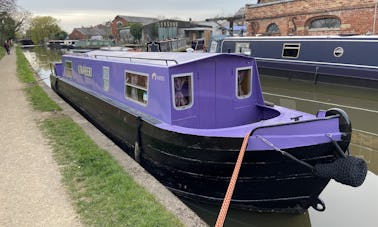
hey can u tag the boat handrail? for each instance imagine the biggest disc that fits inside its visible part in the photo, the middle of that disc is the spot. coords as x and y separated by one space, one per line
139 58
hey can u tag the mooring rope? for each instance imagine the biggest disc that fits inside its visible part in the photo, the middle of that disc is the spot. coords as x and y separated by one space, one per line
230 190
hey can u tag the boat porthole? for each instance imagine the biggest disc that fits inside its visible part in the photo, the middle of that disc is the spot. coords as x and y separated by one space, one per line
338 52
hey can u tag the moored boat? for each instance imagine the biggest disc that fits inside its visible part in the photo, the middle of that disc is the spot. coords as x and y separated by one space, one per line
333 59
183 117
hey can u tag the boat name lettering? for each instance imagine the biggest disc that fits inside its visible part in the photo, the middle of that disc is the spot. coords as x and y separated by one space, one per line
154 76
85 70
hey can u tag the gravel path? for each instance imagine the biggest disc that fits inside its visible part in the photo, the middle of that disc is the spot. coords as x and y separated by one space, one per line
31 192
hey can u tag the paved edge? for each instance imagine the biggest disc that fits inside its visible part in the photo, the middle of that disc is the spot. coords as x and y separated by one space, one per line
138 173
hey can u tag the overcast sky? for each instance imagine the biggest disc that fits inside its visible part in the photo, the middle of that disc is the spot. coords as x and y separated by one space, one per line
77 13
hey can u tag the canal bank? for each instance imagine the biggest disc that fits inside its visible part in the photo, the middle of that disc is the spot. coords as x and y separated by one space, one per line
162 195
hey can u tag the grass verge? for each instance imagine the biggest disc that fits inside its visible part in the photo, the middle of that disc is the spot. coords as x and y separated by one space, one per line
37 97
103 193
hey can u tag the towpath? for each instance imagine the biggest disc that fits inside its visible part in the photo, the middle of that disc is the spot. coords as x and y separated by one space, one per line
31 192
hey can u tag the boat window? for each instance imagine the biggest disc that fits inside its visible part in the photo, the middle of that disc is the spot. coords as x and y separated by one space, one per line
68 68
242 48
136 87
183 91
291 50
243 82
105 77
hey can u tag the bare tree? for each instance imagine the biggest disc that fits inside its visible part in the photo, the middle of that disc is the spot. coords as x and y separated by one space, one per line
7 6
12 18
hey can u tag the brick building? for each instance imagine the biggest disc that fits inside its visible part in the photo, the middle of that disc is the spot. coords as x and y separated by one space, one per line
311 17
120 22
101 30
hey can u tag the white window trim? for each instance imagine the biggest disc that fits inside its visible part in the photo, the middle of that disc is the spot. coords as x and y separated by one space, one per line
236 82
173 90
142 88
103 79
65 69
247 51
283 50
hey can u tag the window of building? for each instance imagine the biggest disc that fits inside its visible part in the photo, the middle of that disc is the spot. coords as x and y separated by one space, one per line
119 24
324 23
68 68
273 28
243 82
291 50
242 48
183 91
136 87
105 77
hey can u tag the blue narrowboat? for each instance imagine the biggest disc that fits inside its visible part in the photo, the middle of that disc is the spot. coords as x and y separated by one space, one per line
184 116
347 60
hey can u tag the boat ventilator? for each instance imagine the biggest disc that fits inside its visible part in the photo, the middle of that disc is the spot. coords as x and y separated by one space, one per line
347 170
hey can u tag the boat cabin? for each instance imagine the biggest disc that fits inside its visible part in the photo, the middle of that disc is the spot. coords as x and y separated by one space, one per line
194 90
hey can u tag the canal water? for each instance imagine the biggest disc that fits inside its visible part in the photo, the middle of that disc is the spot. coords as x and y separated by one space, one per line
345 206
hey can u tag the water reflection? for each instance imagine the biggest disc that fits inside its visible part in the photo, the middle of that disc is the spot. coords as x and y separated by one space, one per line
346 206
244 218
41 58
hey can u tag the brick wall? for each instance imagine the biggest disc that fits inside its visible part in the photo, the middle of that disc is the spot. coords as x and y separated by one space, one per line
115 23
293 17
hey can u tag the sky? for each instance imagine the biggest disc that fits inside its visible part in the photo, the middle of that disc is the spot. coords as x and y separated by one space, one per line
77 13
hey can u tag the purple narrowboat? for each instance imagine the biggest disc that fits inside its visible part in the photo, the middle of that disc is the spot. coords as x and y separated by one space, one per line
183 117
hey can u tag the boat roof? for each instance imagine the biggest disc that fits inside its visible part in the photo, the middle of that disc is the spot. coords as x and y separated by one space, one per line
159 58
358 37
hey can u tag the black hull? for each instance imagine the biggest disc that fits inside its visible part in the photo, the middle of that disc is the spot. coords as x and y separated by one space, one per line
199 168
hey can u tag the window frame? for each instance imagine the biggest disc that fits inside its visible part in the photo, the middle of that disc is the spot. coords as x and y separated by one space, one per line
191 89
65 68
136 86
312 20
243 48
106 81
284 47
237 82
273 32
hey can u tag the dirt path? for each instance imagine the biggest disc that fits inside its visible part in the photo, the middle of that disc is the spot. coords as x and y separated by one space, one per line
31 192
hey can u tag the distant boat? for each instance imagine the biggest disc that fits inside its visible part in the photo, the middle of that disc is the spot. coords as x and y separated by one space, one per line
69 43
183 117
26 43
57 44
92 44
335 59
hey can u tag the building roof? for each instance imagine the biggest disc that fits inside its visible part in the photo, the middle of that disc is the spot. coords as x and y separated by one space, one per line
268 3
96 30
142 20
